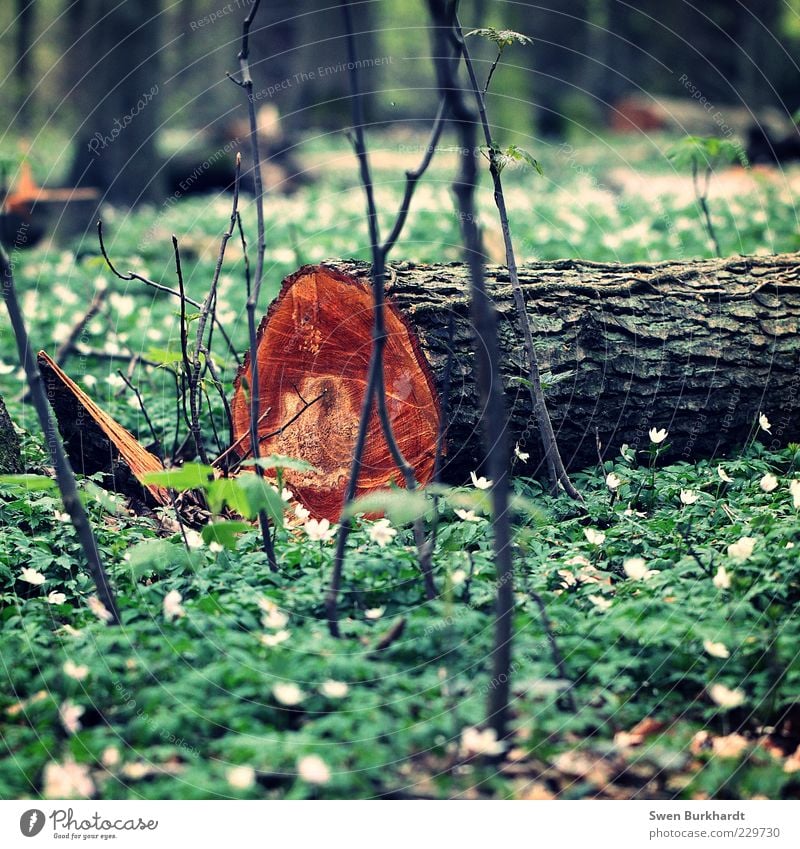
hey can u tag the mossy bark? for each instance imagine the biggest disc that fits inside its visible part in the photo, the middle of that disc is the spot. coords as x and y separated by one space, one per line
699 348
10 458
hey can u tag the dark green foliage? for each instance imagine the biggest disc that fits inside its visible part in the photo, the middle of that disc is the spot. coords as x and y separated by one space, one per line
194 694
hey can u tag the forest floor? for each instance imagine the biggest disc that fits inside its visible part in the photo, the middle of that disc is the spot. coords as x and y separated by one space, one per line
673 599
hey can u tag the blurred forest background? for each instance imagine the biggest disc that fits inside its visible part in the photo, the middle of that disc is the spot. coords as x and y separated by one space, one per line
74 67
673 599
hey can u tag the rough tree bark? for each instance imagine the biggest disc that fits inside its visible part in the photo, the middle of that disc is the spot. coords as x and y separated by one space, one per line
699 348
10 462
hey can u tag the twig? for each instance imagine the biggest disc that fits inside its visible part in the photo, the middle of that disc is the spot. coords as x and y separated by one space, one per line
237 443
375 386
194 406
391 636
135 390
214 430
492 69
246 82
446 50
702 199
243 240
413 177
557 471
598 445
209 308
264 437
95 354
555 651
212 370
468 582
64 474
159 287
159 453
68 344
174 453
442 432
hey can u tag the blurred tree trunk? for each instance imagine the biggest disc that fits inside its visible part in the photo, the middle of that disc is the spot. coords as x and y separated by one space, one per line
23 71
758 39
118 88
299 49
9 444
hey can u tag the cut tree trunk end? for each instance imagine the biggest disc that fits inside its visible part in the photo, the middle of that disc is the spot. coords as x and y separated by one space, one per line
699 348
313 353
10 457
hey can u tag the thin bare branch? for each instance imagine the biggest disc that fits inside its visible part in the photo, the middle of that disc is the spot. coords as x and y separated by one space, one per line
447 50
413 177
208 309
64 474
375 391
156 441
188 382
246 82
555 465
68 345
159 287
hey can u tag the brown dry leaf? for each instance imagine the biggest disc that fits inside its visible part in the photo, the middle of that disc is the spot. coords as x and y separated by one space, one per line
595 769
793 762
730 746
770 746
701 742
533 791
676 783
626 740
647 727
16 709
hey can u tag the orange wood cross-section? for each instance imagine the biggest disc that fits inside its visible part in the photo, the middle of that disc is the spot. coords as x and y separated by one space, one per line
315 343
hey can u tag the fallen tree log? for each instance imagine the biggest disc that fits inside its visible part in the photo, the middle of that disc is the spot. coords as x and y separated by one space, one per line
10 459
699 348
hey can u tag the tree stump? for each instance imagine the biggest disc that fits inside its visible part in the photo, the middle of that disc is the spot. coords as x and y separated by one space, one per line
10 457
313 353
699 348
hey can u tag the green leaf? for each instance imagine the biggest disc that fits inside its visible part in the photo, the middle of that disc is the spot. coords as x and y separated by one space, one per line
518 154
32 483
280 461
157 557
164 357
246 495
501 158
705 151
188 476
480 500
225 492
501 37
94 493
225 533
400 506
